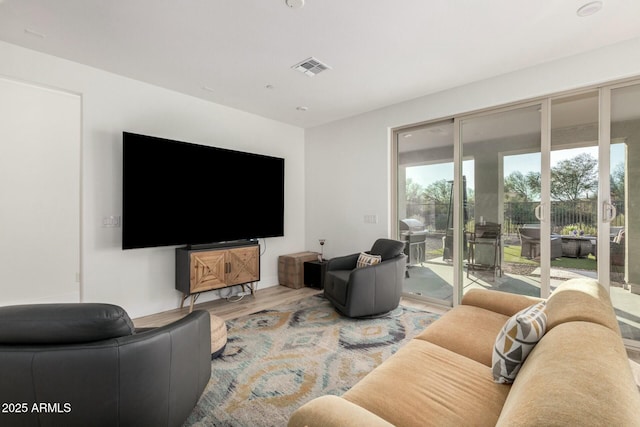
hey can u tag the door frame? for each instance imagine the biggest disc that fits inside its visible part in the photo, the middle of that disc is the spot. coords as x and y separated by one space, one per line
604 142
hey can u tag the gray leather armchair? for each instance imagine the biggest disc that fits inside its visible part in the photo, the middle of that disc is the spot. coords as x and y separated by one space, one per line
371 290
85 365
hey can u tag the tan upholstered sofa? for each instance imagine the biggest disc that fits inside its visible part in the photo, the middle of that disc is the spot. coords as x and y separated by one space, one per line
578 374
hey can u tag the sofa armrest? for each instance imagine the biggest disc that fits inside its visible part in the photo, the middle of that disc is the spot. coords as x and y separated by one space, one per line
164 371
334 411
577 375
498 301
364 279
346 262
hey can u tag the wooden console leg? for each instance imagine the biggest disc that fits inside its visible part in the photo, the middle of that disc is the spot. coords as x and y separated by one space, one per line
194 297
251 288
184 297
193 300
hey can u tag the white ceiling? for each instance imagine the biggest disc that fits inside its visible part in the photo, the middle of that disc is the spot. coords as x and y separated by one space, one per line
381 51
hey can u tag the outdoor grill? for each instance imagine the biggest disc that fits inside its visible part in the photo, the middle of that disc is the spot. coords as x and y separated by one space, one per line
414 234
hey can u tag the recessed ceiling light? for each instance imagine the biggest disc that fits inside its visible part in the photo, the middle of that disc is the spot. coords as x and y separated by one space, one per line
302 108
294 4
589 9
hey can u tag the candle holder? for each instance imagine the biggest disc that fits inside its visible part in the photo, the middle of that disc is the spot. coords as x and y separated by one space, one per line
321 256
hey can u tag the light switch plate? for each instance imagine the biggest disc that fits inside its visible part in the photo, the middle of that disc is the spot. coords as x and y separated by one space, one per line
371 219
111 221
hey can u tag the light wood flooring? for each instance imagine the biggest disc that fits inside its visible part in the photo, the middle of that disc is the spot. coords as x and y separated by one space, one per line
262 300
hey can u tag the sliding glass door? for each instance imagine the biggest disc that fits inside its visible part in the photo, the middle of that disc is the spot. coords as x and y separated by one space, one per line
501 228
519 199
575 166
623 207
425 209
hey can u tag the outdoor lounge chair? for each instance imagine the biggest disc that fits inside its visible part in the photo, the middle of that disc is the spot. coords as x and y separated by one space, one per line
530 242
617 249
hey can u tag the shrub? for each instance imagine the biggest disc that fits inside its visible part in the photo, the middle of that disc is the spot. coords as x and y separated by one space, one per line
580 229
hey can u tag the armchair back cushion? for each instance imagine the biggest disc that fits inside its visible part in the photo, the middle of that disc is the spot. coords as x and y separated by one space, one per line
530 232
62 323
567 303
387 248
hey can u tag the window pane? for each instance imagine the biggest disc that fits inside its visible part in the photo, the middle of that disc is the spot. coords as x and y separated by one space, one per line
625 228
425 212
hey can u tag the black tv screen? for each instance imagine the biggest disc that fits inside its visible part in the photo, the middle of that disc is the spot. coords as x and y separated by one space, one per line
177 193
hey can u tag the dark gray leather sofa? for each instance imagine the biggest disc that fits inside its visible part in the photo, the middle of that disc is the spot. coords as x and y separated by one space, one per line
371 290
84 365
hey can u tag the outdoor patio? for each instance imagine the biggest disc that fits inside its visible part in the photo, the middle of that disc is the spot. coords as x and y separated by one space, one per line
433 278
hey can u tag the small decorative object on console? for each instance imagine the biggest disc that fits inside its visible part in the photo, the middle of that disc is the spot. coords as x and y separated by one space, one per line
321 256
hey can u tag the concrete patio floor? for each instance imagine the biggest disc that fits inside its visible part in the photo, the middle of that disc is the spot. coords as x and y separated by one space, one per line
434 280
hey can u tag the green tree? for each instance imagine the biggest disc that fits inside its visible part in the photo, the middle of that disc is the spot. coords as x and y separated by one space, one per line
575 178
438 191
617 182
414 191
523 188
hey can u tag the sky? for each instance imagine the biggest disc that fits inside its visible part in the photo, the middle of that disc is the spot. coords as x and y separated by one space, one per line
524 163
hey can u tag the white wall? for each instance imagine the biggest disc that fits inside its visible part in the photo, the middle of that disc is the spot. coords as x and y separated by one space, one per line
348 161
142 280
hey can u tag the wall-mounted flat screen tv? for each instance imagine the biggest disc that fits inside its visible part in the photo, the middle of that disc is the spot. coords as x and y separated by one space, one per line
180 193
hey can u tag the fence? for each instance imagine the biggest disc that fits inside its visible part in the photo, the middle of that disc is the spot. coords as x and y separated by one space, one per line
435 216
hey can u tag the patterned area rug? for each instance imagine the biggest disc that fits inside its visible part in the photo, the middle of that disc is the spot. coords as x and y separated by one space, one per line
277 360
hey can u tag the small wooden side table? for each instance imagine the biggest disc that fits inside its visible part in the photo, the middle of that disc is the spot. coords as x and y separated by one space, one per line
314 273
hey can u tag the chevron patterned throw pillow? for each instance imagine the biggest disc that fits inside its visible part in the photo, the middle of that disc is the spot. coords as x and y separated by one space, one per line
519 335
365 259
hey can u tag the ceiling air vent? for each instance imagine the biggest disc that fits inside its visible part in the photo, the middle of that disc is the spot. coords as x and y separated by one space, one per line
311 67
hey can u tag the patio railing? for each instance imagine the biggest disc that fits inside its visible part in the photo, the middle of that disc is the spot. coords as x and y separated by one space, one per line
435 215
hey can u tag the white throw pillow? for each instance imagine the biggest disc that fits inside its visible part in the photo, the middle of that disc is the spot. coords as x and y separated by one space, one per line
366 259
518 336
